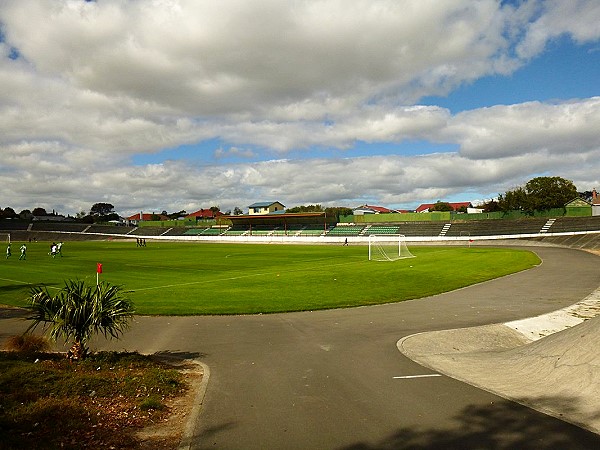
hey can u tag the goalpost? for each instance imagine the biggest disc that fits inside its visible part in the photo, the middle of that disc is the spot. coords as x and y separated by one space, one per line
5 237
388 247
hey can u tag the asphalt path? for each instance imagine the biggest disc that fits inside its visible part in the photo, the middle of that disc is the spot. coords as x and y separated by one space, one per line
336 380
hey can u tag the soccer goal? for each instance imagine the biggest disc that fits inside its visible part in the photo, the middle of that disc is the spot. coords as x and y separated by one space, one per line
388 247
5 237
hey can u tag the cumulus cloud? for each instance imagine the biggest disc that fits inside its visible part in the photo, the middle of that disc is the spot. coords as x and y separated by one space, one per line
99 83
566 128
576 18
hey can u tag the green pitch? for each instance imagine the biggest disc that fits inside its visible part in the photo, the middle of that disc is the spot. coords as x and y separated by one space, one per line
192 278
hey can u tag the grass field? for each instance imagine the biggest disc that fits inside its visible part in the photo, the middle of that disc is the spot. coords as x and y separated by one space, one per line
191 278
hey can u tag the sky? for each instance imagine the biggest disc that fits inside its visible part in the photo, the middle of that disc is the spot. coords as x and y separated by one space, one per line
169 105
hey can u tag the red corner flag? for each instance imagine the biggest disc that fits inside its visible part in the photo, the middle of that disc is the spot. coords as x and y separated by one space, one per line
98 268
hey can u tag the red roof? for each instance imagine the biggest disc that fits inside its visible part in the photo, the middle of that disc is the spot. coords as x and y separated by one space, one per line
379 209
204 214
455 206
147 217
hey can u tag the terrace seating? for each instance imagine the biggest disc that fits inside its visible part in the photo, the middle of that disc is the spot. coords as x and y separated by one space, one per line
14 225
565 224
176 231
107 229
312 230
345 230
237 231
420 228
290 230
149 231
261 230
497 227
68 227
381 229
213 231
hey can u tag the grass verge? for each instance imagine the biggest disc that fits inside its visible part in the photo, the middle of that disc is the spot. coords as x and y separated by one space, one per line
46 402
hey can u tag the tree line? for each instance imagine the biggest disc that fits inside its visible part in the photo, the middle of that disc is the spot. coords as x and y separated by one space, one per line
538 194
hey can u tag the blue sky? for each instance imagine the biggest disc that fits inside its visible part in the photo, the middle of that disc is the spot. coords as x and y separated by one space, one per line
563 71
185 105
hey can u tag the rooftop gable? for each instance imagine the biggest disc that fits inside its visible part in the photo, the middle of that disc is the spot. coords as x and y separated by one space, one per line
204 213
264 204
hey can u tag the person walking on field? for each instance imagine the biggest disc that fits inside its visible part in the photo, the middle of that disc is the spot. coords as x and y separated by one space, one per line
8 253
59 249
23 252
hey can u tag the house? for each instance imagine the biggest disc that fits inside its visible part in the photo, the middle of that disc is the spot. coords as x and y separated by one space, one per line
425 207
371 209
579 207
141 217
261 208
204 214
595 203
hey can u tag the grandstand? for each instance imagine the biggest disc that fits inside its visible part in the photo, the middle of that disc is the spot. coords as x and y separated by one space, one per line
312 230
381 229
345 230
496 227
578 232
416 229
568 224
108 229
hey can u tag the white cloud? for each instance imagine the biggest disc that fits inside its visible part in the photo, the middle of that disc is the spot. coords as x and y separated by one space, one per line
577 18
566 128
97 83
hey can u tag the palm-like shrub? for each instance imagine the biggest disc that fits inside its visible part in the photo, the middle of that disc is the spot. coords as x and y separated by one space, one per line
80 310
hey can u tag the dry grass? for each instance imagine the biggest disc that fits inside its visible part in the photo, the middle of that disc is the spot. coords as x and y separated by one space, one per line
109 400
27 343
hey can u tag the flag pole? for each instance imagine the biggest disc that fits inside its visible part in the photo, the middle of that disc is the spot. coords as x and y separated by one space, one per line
98 272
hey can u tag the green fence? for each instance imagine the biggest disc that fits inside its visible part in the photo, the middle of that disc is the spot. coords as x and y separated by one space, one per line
454 216
176 223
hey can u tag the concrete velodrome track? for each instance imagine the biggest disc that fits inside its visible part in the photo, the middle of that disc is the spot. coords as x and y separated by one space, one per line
336 380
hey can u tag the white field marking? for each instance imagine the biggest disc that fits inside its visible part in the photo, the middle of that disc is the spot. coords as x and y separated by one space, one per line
25 282
408 377
231 278
191 269
199 282
14 281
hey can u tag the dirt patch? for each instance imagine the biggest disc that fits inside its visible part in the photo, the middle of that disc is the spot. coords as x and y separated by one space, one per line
167 433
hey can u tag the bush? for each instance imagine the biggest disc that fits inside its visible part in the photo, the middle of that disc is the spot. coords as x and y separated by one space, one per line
27 343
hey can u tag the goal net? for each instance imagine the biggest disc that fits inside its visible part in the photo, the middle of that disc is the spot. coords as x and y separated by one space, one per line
388 247
5 237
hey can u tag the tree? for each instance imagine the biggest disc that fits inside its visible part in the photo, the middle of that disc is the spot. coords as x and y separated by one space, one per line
491 206
101 209
9 213
549 192
539 194
237 211
39 212
441 206
177 215
305 209
26 214
80 310
337 211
